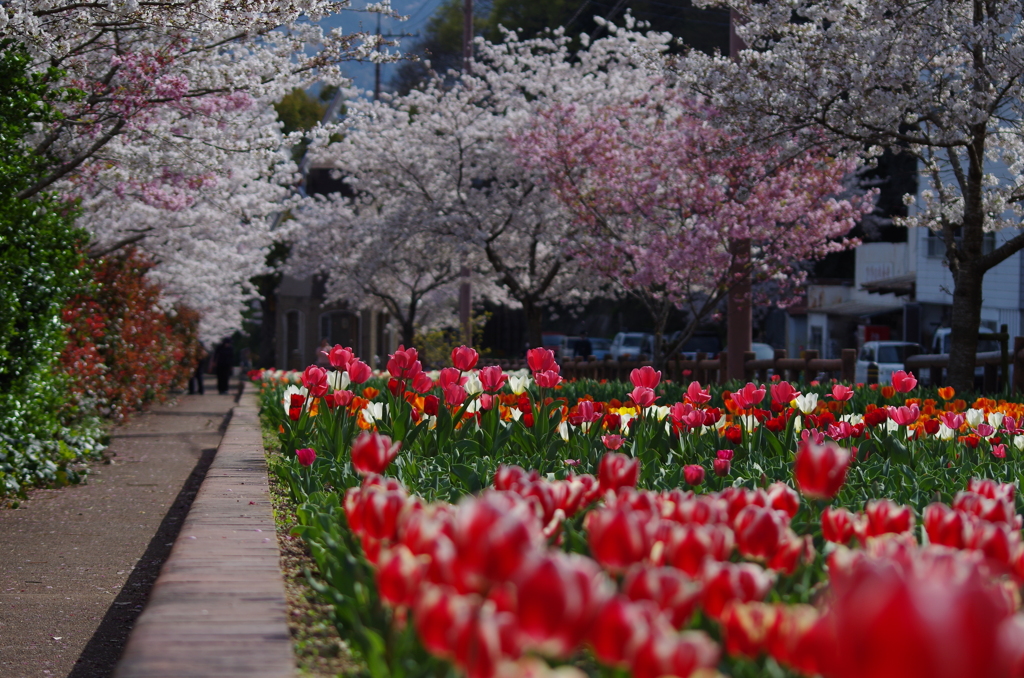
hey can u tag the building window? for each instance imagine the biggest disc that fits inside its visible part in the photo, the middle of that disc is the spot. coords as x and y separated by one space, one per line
339 327
937 246
293 347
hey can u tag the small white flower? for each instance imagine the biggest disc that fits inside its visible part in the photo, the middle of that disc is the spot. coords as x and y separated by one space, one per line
1018 442
473 385
995 419
624 420
563 431
945 432
374 412
661 411
749 422
891 426
338 380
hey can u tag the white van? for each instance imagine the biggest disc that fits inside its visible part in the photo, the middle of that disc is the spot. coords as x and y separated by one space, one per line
888 355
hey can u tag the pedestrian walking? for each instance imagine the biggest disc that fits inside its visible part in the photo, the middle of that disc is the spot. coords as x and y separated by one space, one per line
224 360
195 383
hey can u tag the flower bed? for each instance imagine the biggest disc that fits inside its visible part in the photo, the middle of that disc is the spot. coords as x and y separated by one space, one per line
518 524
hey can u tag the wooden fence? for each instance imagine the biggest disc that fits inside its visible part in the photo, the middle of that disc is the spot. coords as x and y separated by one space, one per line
705 369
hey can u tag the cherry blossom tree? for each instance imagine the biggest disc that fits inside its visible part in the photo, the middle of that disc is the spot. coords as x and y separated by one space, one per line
170 143
939 80
443 153
659 191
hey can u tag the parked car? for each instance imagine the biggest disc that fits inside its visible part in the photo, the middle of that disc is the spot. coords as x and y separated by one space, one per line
631 345
761 351
711 344
888 355
941 342
570 345
552 341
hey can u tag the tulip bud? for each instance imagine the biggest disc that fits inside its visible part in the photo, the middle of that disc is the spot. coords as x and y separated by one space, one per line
464 358
722 467
618 470
741 582
315 380
617 537
306 456
838 525
694 474
430 405
358 371
645 377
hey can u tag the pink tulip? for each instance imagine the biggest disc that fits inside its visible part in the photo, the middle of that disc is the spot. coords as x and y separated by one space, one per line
903 382
403 363
748 396
464 358
454 395
372 452
953 420
841 392
697 395
449 376
340 356
643 396
645 376
725 454
999 451
306 456
613 442
541 360
904 415
721 467
492 378
783 393
358 371
421 383
547 378
315 380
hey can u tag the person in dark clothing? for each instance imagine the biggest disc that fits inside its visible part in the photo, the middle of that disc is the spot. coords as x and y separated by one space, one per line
195 384
224 358
583 347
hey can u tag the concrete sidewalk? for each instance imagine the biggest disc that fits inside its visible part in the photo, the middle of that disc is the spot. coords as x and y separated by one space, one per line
77 563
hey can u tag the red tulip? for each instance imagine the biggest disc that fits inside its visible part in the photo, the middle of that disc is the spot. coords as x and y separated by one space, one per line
820 470
646 377
547 379
315 380
783 393
670 654
747 628
995 540
306 456
758 532
358 371
725 454
841 392
737 498
643 396
991 489
748 396
885 516
688 547
378 512
722 467
430 405
340 357
694 474
783 498
372 452
876 416
403 363
944 526
464 358
557 598
838 525
616 537
494 535
512 477
613 442
673 592
999 451
399 575
618 470
903 382
541 360
697 395
619 629
492 378
724 582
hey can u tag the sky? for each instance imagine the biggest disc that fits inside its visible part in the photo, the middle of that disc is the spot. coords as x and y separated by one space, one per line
418 11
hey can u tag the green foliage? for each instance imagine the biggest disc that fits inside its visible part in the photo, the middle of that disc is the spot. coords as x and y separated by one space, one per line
299 111
40 268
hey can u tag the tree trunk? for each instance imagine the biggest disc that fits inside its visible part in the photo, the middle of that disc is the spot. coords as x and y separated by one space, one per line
408 332
966 318
534 321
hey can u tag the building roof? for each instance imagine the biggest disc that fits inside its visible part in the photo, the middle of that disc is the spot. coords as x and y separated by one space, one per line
855 309
897 284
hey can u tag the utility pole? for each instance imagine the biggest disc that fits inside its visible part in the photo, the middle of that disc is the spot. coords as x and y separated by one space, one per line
739 331
465 293
376 66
